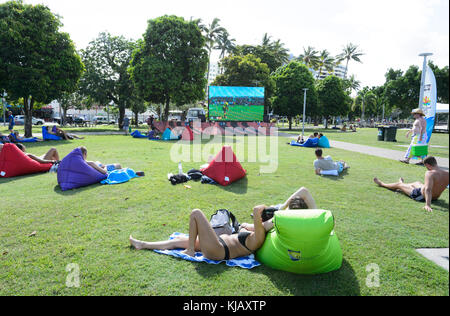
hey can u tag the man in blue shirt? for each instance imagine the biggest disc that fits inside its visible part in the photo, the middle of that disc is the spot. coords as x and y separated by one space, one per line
11 122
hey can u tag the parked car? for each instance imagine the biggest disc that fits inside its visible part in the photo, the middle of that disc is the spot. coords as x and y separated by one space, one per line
20 120
79 120
103 120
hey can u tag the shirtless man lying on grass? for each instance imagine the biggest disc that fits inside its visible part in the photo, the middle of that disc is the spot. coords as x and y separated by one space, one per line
436 181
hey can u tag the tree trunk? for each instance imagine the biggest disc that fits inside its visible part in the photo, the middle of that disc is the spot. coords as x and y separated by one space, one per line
136 119
121 116
63 119
290 122
28 106
166 110
326 122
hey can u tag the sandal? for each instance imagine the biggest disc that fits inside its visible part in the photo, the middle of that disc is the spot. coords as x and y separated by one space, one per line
404 161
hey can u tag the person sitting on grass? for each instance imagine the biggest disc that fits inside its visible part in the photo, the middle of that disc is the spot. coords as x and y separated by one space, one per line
300 139
352 128
104 169
4 139
436 181
51 156
63 134
344 128
327 163
202 237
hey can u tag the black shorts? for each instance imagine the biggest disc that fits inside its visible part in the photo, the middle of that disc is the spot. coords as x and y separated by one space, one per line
417 195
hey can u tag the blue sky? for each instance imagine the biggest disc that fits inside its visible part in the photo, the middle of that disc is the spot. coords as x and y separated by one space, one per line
391 32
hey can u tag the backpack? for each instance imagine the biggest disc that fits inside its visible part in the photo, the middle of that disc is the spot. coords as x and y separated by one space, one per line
224 223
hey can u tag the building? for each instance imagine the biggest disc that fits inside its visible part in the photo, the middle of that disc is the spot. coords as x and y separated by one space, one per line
214 71
338 71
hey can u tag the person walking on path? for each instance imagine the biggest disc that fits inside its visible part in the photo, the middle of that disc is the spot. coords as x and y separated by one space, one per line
419 135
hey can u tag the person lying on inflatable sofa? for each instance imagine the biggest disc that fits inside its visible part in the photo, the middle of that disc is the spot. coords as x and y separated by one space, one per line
300 139
63 134
98 165
51 156
20 138
249 239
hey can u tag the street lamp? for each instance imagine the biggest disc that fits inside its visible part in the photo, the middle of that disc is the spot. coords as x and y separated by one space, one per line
304 112
424 71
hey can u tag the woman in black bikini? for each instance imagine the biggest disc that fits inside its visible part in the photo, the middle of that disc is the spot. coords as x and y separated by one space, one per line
203 238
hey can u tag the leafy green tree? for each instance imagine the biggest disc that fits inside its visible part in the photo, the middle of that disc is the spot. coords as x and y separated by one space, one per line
212 32
402 90
106 78
170 64
333 100
288 100
350 52
37 62
246 71
442 82
69 101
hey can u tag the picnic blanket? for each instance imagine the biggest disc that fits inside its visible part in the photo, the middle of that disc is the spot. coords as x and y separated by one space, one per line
120 176
247 262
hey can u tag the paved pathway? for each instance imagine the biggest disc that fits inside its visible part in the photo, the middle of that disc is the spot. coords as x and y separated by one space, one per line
374 151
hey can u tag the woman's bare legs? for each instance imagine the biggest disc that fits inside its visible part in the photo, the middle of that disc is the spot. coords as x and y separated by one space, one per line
199 227
201 238
52 154
176 243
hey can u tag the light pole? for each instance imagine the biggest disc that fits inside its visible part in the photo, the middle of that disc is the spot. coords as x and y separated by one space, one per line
422 82
304 112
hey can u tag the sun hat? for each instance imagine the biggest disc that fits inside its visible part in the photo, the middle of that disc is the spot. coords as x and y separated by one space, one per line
418 111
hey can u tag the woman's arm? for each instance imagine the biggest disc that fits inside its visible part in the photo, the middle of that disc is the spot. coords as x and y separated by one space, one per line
43 161
97 167
304 194
256 239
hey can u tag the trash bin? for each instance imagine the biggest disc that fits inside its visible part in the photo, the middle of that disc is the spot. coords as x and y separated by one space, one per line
390 134
381 132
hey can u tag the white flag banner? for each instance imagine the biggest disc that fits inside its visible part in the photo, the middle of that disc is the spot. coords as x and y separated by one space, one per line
429 100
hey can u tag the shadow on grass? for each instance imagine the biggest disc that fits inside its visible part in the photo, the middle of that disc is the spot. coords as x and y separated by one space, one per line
7 180
239 187
441 204
338 178
47 143
58 190
342 282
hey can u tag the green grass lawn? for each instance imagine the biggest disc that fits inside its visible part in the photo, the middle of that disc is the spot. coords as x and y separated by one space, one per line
90 227
369 137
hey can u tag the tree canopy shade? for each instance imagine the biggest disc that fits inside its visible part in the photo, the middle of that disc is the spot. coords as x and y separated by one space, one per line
37 61
333 100
106 78
288 100
170 64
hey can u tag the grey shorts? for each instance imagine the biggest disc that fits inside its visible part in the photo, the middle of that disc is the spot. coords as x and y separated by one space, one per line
417 195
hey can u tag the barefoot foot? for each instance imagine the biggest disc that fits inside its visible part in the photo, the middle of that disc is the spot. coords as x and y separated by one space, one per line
377 181
189 252
135 243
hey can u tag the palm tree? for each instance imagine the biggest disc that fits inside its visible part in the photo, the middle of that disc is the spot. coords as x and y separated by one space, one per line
309 57
352 84
325 61
276 49
350 52
225 44
212 33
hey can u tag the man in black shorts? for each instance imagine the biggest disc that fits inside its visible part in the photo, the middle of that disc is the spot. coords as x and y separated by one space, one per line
436 181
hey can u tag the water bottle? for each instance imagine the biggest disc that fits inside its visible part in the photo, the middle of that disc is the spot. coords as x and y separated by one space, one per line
180 168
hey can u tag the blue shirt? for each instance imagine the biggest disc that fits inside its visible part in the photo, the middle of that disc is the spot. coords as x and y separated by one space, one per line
11 120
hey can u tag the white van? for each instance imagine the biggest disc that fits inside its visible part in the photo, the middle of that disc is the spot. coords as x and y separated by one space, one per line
195 114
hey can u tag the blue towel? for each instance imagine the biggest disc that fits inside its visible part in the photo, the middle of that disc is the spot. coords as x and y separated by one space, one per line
248 262
119 176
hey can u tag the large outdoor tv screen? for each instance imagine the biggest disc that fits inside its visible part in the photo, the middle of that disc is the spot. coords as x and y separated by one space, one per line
244 104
